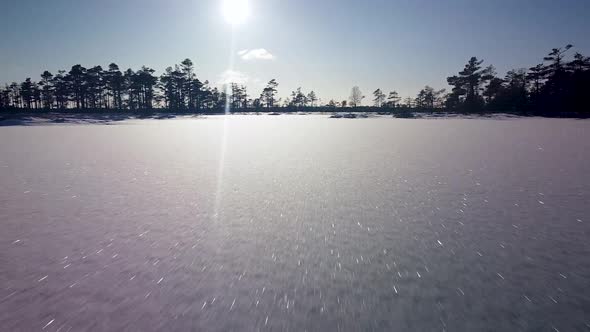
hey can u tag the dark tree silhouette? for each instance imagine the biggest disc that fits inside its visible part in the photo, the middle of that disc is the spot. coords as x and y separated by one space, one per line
467 85
556 87
429 98
298 98
509 94
62 89
393 99
379 99
27 93
76 79
46 84
5 97
536 76
312 98
268 94
114 83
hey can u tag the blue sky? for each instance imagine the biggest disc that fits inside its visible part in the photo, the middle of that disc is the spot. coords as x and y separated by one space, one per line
323 45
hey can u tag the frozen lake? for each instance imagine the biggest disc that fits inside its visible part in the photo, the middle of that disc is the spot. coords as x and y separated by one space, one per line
296 223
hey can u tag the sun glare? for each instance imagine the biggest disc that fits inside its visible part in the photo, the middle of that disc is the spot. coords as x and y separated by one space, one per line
236 11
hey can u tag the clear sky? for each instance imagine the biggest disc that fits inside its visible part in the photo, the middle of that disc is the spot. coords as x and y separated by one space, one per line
322 45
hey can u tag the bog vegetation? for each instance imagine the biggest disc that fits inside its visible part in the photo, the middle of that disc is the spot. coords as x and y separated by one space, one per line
554 87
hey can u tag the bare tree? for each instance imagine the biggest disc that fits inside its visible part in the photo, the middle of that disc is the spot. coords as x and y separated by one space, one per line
356 97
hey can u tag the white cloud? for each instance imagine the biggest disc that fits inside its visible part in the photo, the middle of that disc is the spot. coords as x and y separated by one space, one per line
232 76
257 54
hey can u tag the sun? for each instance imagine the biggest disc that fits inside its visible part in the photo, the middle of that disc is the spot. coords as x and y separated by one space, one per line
236 11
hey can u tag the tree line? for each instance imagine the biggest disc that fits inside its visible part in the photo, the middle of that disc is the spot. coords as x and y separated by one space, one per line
95 88
555 86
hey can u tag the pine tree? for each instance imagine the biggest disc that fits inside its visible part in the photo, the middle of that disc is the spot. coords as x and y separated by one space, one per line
379 98
268 94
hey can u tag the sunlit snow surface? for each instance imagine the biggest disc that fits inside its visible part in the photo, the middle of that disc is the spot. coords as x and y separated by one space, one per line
312 224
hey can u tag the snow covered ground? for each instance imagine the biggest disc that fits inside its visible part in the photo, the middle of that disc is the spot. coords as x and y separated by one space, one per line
45 119
295 223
